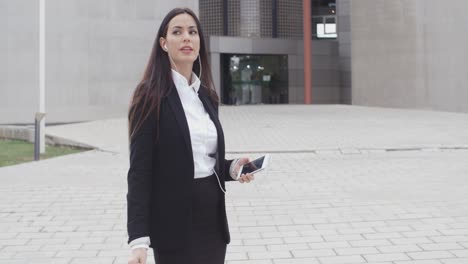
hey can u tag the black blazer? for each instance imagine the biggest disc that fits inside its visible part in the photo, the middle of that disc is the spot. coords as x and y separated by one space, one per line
161 175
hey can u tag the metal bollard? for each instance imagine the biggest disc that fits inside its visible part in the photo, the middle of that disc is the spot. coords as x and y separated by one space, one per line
37 133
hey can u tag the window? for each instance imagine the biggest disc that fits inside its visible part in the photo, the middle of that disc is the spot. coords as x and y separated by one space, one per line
324 19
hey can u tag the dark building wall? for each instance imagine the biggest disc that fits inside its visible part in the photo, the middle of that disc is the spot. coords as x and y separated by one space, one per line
211 17
344 47
233 18
290 19
325 53
325 64
252 18
266 18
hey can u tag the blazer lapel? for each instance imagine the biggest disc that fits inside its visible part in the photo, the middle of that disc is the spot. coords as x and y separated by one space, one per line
177 108
214 117
209 108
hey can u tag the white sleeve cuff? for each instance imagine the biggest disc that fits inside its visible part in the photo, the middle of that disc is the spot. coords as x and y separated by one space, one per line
140 246
231 169
141 242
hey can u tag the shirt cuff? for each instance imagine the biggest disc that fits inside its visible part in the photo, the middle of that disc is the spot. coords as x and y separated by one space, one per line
231 169
140 246
141 242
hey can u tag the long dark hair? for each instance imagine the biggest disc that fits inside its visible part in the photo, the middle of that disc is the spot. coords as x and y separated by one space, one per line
157 78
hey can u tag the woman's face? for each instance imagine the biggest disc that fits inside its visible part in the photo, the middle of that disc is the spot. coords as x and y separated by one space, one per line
182 41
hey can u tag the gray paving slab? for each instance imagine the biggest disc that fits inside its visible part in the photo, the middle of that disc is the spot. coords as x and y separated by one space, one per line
299 128
334 193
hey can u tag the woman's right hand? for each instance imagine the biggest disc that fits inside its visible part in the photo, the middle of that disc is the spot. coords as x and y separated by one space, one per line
139 256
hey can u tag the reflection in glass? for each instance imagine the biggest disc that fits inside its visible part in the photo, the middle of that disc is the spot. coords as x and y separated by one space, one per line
254 79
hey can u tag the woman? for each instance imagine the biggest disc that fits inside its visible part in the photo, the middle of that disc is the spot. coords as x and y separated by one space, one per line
176 180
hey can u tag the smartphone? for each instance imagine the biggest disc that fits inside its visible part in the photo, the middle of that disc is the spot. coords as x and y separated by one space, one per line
254 166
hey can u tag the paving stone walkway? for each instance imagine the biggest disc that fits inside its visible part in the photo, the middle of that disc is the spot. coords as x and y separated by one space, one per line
347 184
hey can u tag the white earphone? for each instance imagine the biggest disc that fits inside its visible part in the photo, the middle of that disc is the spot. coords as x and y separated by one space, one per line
219 182
165 47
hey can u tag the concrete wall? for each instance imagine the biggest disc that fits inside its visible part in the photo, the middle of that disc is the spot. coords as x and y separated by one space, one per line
96 52
325 64
410 54
19 60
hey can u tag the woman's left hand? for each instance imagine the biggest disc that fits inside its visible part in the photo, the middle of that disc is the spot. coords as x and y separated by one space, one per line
245 177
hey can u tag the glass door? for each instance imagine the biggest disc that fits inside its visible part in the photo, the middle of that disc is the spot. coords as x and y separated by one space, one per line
254 79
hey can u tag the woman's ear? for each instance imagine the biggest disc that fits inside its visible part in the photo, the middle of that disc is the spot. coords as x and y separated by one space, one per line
162 43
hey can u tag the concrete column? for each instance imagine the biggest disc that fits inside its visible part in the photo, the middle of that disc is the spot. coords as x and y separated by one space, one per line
307 51
216 72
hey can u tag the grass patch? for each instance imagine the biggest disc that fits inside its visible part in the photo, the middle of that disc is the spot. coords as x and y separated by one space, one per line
16 151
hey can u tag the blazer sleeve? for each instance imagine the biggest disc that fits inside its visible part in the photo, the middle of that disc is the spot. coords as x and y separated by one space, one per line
139 179
227 165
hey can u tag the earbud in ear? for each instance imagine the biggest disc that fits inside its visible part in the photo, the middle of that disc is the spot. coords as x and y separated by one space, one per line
165 47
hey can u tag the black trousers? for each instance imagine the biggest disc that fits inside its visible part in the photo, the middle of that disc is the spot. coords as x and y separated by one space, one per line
206 245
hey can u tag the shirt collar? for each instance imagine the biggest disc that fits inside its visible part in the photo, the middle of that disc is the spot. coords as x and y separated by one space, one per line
181 82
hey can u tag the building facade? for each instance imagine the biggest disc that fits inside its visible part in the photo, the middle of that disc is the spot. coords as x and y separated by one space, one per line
96 52
403 54
257 51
